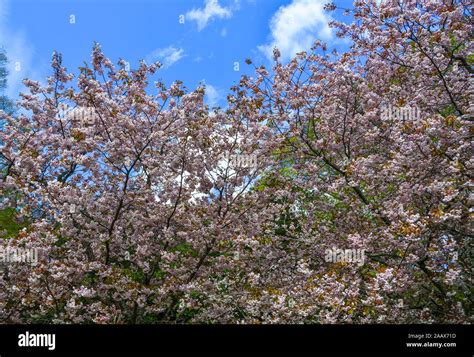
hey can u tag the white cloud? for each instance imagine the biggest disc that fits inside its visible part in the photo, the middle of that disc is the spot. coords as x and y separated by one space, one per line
296 26
3 10
213 95
20 55
212 9
167 56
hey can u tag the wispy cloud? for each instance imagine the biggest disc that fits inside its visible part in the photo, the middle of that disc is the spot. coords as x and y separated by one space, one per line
213 95
19 52
3 10
167 56
211 10
296 26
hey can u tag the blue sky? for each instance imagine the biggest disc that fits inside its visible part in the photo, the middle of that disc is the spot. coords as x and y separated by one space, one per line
196 40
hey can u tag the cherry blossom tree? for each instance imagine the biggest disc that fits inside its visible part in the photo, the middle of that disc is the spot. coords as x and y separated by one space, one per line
397 186
131 199
148 207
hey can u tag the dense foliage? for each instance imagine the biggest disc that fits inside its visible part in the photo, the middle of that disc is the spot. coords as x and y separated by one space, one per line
143 212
